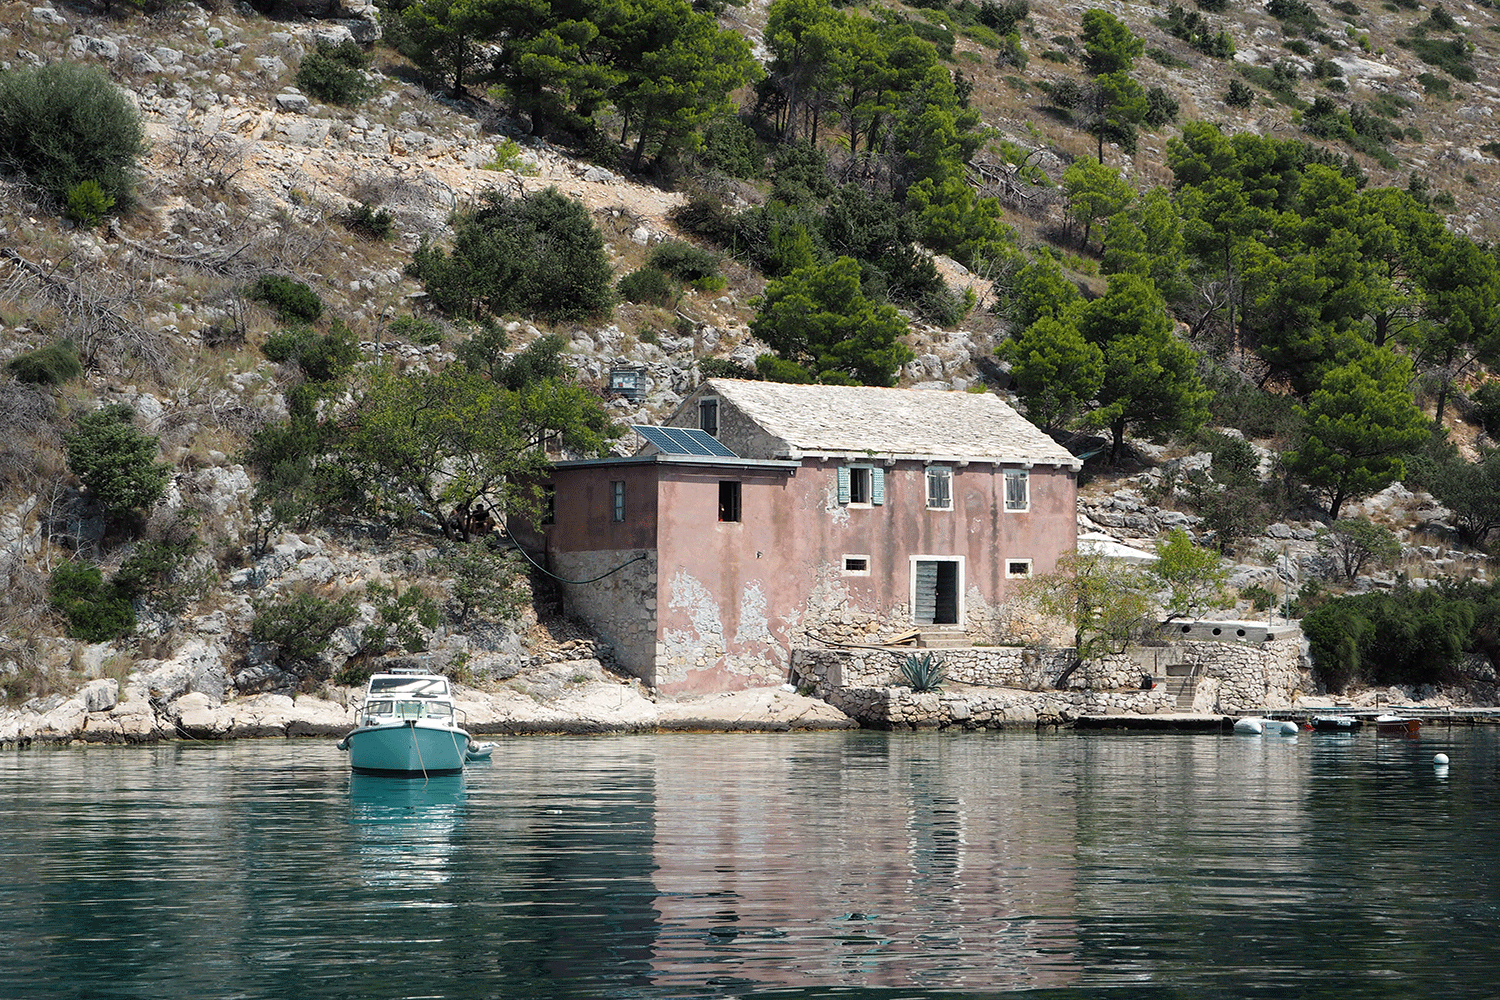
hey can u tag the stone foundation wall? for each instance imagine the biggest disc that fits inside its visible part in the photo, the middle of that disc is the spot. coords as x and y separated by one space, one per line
1232 678
902 708
621 607
1023 667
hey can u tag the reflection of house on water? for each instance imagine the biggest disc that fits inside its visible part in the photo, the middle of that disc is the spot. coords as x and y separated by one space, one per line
405 828
882 865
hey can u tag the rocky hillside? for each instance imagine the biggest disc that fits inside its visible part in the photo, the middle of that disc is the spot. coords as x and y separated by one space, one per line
246 176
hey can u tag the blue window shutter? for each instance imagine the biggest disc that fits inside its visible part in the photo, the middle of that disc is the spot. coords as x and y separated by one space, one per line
843 484
877 485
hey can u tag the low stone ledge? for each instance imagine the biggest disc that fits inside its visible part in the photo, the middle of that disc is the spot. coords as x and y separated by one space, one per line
903 708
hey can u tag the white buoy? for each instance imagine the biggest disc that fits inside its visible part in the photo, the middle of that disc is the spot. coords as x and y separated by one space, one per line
1441 760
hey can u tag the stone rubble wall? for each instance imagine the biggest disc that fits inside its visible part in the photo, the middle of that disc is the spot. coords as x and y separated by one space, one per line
903 708
1016 685
621 607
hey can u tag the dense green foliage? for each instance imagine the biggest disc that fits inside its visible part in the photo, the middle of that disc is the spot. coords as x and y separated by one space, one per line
291 300
95 611
819 320
63 124
301 625
439 447
649 286
115 461
334 72
320 357
1407 636
1192 576
51 365
536 255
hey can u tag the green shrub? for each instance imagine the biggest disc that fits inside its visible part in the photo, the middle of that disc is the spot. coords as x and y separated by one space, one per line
115 461
400 618
95 611
334 73
88 203
1451 55
63 124
321 357
417 330
731 147
292 301
649 286
51 365
707 216
724 368
1260 598
536 255
300 625
367 221
683 261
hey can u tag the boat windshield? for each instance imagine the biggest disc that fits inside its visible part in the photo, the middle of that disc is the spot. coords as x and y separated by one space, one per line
402 709
410 687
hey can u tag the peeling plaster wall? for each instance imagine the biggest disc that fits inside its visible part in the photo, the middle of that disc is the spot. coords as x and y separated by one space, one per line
738 597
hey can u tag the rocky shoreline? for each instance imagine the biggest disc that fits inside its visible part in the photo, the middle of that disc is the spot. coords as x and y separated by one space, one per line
99 713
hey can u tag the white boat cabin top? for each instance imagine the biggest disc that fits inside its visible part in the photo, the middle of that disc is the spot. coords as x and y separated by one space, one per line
408 695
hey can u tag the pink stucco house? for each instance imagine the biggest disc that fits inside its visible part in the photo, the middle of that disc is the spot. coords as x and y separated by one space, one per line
777 514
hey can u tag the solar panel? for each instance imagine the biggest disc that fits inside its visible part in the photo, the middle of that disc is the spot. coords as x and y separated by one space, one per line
683 441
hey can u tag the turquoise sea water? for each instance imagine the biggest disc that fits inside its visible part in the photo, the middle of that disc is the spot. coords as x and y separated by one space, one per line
827 865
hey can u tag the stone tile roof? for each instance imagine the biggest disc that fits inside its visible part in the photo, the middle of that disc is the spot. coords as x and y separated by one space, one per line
837 420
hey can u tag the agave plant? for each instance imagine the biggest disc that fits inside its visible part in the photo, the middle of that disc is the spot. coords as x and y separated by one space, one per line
922 673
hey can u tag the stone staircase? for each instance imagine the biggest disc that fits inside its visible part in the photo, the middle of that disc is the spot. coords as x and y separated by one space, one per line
1182 680
944 640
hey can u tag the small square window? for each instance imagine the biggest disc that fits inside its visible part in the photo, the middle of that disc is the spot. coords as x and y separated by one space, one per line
1017 569
619 494
729 500
857 565
1017 489
939 488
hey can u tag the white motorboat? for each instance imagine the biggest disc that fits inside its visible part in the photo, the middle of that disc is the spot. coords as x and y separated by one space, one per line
407 726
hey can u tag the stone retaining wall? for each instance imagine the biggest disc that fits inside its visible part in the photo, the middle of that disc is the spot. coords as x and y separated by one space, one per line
999 686
903 708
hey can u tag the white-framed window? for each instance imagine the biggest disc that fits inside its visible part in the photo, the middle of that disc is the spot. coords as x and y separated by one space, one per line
939 487
1017 489
861 485
1017 569
618 488
857 565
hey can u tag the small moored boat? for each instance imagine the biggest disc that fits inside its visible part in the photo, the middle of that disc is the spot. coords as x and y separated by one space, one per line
479 751
1397 725
407 727
1335 723
1257 726
1254 725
